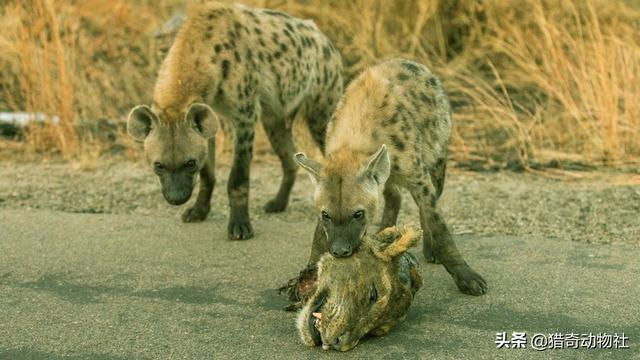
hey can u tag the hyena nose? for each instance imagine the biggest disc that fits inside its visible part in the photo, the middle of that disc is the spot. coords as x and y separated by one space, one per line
341 250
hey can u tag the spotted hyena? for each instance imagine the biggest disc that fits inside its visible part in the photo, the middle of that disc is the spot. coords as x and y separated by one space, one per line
391 130
243 64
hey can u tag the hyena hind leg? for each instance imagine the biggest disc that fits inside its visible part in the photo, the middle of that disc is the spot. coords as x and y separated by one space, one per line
200 210
281 140
317 123
439 244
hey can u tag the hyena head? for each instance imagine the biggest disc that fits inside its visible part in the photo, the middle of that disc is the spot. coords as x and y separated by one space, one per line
176 146
347 195
367 293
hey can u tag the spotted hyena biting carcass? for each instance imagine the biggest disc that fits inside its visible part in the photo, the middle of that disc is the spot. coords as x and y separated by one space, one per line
365 294
245 65
402 104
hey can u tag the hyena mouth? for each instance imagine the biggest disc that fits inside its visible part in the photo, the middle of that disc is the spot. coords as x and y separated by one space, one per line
177 201
313 322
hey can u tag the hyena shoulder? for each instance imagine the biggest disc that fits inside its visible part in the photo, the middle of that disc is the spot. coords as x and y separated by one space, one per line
399 103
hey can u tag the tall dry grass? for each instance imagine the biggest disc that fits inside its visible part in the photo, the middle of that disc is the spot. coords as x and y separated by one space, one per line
531 80
572 71
78 61
41 59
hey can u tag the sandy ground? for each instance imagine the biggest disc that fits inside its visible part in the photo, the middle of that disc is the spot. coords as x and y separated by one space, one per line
94 265
587 207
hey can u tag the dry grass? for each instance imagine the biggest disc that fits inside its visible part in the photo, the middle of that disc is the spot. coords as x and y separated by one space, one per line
531 81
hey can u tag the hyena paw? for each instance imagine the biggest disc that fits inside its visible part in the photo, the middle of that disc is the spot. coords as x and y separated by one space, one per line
240 229
195 214
427 251
275 205
467 280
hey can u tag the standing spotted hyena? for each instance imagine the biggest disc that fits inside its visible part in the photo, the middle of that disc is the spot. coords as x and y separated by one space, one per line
403 105
244 64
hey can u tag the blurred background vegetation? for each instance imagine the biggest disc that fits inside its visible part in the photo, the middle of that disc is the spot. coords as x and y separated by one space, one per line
533 83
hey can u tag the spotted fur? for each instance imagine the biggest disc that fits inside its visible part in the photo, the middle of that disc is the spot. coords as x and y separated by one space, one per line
391 130
244 64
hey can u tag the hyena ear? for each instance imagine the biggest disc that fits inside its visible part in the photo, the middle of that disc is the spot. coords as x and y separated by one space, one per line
203 119
140 121
311 166
378 166
395 241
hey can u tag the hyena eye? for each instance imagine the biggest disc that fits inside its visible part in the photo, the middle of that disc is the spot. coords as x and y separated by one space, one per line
358 215
158 167
373 296
190 165
325 216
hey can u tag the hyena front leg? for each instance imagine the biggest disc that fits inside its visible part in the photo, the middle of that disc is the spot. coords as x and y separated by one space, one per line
281 140
320 244
239 227
439 244
392 202
200 210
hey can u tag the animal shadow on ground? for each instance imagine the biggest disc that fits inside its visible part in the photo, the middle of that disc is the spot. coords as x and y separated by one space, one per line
40 355
65 288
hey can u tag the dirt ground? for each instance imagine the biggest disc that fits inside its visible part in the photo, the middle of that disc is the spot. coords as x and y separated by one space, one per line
95 265
593 207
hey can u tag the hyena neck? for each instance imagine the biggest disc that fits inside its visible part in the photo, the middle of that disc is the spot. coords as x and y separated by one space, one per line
346 160
181 82
187 74
365 104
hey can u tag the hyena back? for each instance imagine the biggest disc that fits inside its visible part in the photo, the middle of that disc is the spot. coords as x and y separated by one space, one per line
243 64
390 130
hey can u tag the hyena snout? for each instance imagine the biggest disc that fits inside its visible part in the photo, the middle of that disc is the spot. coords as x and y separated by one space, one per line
176 188
341 249
344 240
344 246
